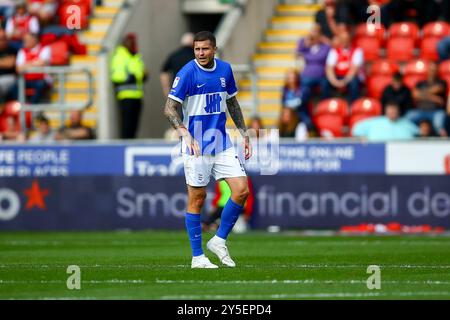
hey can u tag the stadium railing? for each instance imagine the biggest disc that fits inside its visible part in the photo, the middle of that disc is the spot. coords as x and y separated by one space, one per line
61 105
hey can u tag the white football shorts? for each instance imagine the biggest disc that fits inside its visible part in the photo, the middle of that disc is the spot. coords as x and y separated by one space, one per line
198 170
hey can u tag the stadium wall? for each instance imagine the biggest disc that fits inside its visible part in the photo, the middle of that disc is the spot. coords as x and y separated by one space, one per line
141 186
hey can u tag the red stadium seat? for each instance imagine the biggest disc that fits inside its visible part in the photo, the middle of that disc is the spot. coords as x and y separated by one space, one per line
370 46
364 108
437 29
416 67
408 30
428 49
400 49
330 117
369 30
376 85
384 67
60 53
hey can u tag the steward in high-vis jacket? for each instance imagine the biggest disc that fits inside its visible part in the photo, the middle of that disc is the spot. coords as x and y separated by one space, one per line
128 75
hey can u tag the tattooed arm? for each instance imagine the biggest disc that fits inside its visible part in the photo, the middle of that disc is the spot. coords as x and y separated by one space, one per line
238 118
170 111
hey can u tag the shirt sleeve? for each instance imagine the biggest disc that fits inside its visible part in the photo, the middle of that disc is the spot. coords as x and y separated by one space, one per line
9 27
20 60
231 85
46 55
180 87
34 25
361 129
358 58
332 58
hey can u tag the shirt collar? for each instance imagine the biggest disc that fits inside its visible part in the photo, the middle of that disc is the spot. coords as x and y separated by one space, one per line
206 69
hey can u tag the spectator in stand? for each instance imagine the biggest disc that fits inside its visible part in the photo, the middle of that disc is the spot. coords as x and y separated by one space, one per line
12 130
75 130
290 125
397 91
292 97
33 55
45 10
315 53
344 66
430 99
443 48
326 19
386 128
20 24
445 132
175 61
44 131
7 66
426 129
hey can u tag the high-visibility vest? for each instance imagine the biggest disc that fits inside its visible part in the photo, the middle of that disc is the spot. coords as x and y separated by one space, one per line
123 64
30 56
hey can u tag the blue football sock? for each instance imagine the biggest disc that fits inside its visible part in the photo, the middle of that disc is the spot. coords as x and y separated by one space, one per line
194 229
230 214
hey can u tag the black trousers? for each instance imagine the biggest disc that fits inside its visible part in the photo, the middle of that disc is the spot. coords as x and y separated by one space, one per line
130 111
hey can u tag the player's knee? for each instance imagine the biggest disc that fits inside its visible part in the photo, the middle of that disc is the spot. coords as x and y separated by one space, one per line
242 193
198 200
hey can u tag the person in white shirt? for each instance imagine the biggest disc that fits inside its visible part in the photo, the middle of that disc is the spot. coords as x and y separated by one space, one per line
32 55
20 24
343 66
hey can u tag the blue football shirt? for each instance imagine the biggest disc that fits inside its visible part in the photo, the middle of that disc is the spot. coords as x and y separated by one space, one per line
203 94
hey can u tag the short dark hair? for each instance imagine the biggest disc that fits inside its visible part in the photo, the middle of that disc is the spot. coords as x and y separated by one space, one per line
205 35
392 103
398 76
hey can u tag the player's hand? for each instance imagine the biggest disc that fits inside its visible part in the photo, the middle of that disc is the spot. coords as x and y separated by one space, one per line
192 144
247 148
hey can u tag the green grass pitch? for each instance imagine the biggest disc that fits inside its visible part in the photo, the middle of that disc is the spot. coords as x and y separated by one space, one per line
156 265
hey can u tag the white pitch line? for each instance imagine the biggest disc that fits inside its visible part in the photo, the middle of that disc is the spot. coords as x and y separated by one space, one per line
306 295
263 282
253 266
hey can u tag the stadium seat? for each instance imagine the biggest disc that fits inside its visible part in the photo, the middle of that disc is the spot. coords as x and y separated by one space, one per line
415 71
438 29
428 49
60 53
376 85
370 46
400 49
408 30
330 117
364 108
365 30
383 67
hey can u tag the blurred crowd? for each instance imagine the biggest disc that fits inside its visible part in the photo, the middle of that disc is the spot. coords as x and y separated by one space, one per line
375 79
35 33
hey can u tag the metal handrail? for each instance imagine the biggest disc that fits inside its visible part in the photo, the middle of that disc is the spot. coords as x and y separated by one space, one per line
61 105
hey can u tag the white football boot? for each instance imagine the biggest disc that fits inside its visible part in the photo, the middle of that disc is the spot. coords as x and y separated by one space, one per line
219 248
202 262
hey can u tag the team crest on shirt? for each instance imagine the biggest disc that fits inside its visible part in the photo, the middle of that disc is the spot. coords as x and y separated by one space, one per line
223 83
175 82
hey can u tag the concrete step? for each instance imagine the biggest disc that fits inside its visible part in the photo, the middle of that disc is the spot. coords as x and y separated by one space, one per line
279 60
292 23
284 35
100 24
73 97
277 47
298 10
263 84
91 37
105 11
112 3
